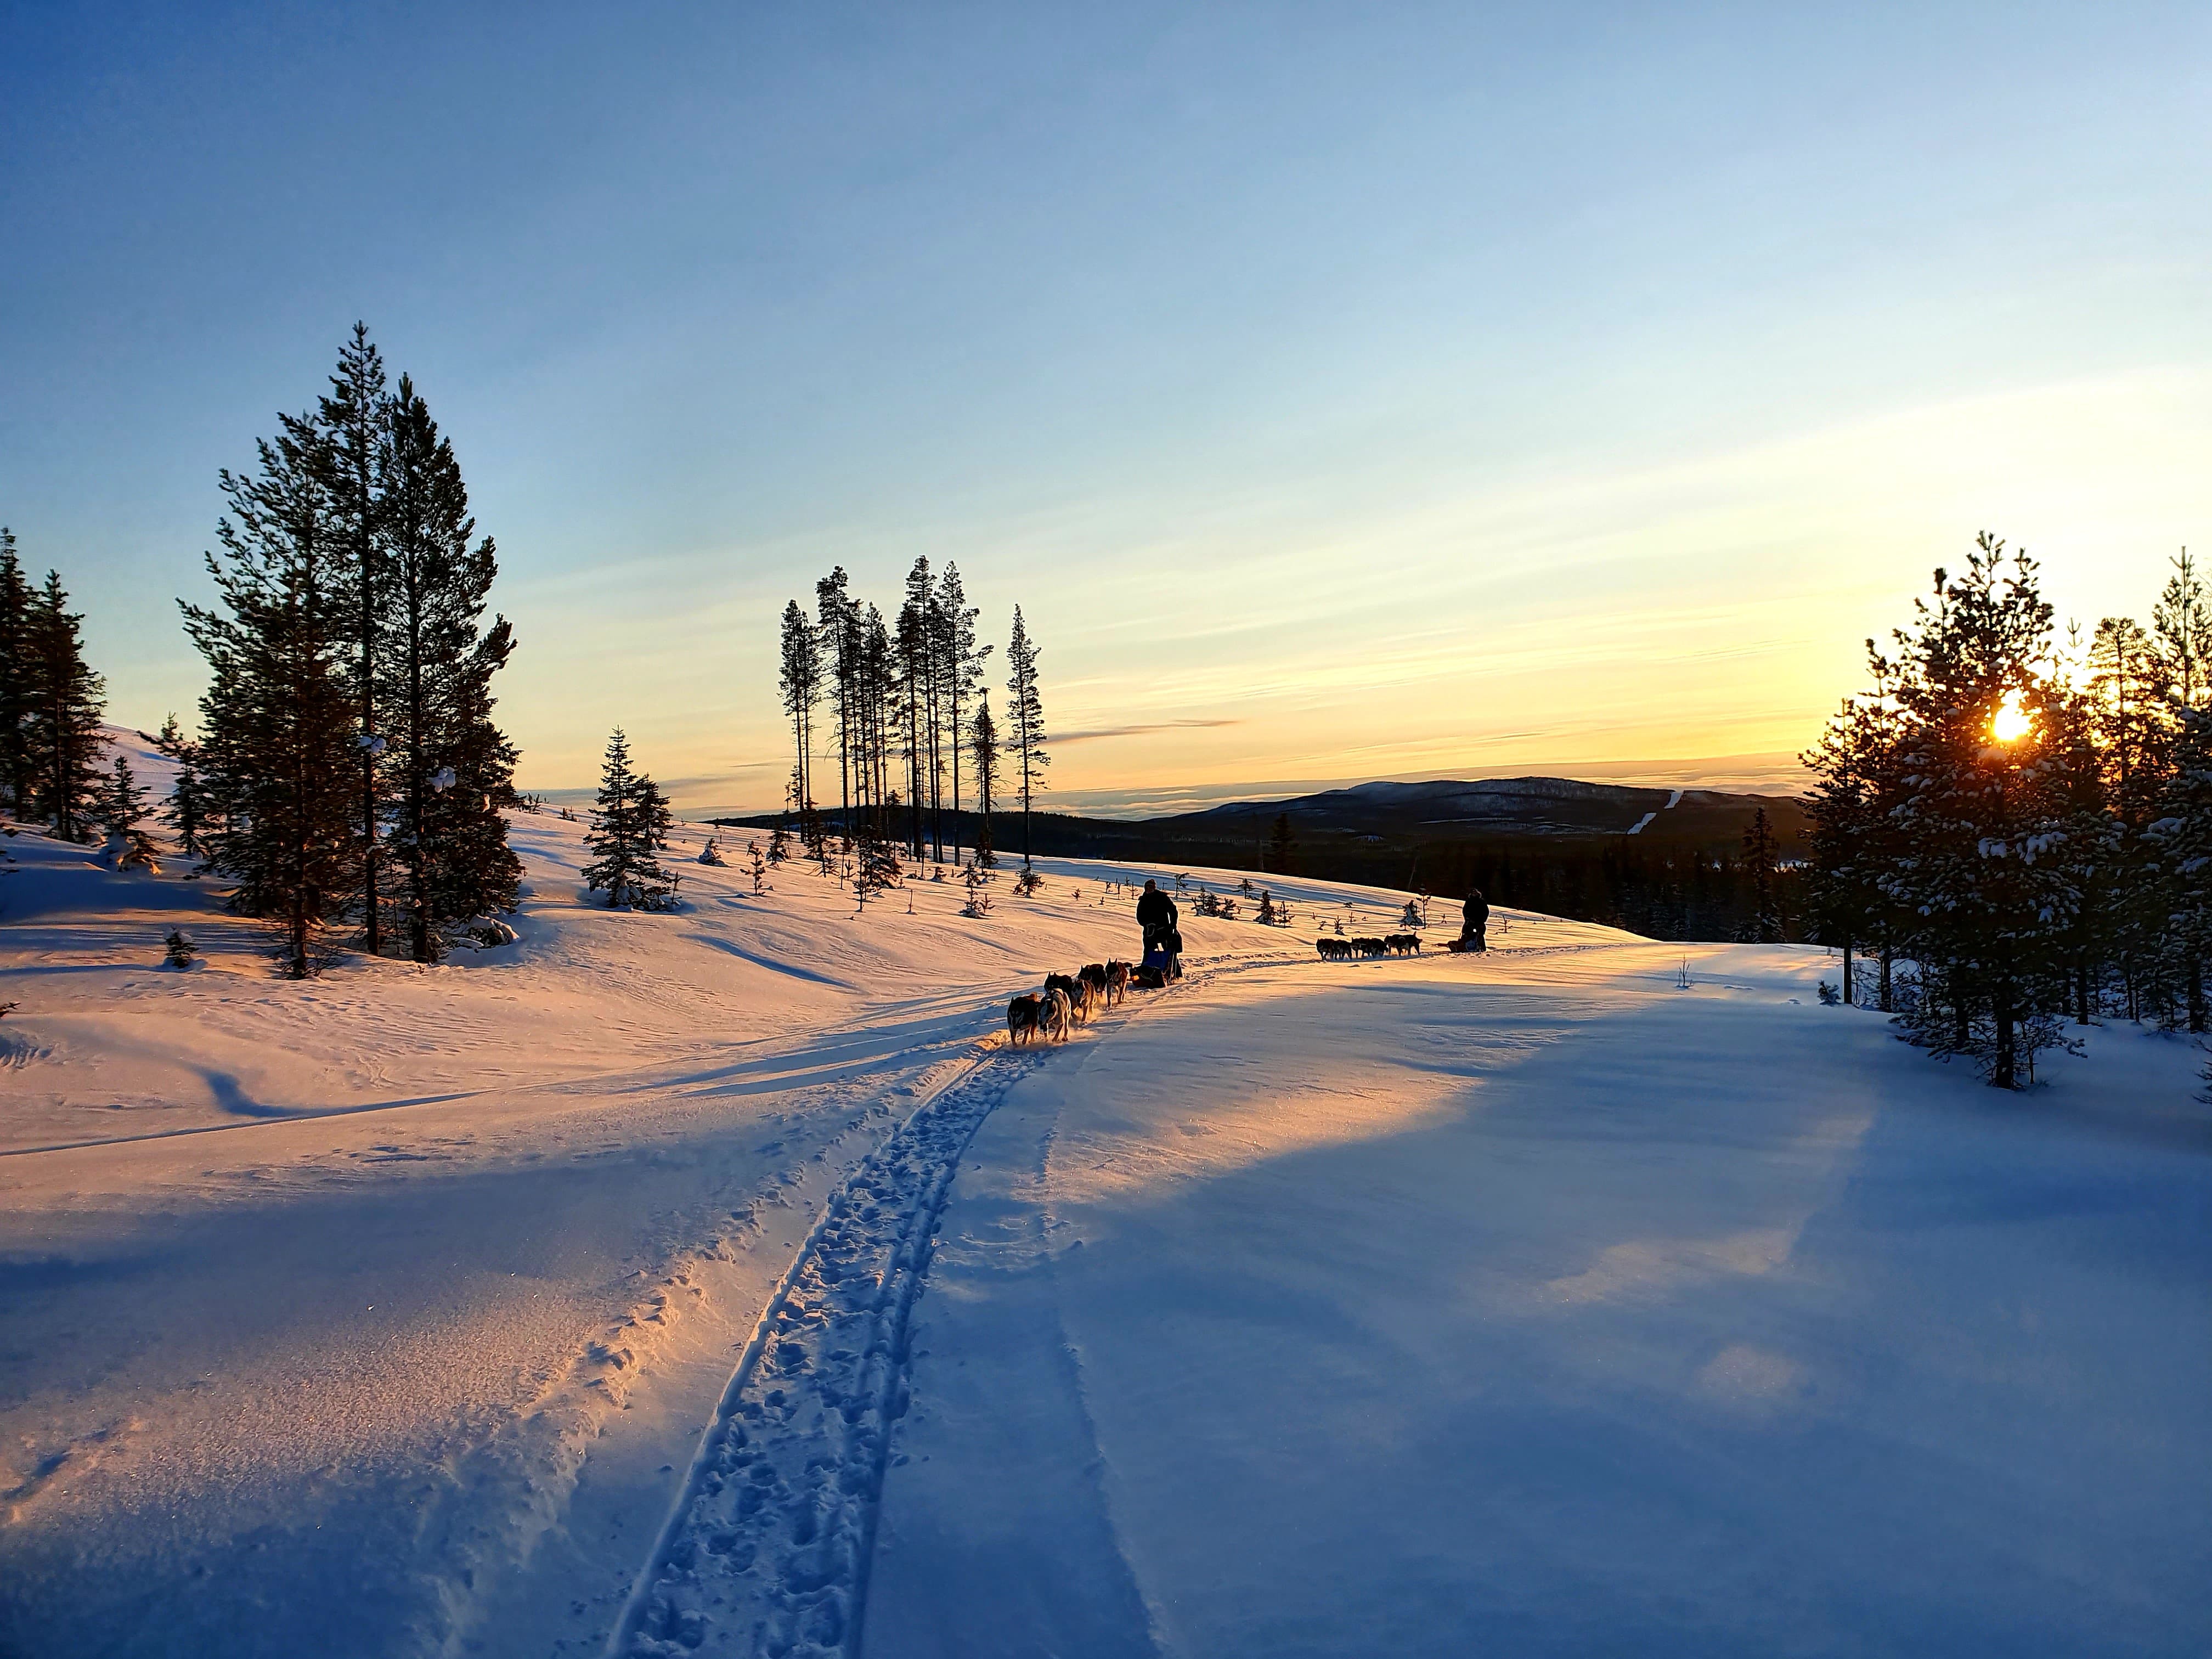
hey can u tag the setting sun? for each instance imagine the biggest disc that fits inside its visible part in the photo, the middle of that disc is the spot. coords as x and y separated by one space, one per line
2011 722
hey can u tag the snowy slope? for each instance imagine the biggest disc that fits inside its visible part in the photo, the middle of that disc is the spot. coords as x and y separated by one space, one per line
1532 1305
380 1257
1300 1308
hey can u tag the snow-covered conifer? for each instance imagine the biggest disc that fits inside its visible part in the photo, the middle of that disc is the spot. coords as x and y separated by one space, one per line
1980 876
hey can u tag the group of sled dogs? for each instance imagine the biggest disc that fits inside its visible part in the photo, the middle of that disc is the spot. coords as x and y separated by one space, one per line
1071 998
1393 944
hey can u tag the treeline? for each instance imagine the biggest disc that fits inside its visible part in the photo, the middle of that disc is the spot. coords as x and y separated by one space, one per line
910 721
1678 892
349 773
2017 828
51 704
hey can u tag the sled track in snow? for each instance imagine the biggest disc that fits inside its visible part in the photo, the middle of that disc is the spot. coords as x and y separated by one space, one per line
767 1550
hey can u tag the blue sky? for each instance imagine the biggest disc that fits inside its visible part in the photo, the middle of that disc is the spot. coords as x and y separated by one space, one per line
1341 391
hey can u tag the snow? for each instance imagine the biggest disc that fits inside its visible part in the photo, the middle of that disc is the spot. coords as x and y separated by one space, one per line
1523 1301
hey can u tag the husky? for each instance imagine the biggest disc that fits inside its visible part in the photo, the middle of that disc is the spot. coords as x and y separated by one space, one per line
1022 1016
1094 975
1117 982
1058 1016
1083 1001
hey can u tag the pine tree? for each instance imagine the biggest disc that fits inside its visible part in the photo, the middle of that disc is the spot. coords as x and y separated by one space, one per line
1850 839
628 829
2182 838
838 628
1026 710
962 660
916 657
123 808
976 877
448 770
2183 622
186 812
983 742
1981 809
16 786
799 680
278 756
351 453
1760 853
66 700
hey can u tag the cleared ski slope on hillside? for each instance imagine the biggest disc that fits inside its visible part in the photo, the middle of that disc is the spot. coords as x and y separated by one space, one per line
1298 1308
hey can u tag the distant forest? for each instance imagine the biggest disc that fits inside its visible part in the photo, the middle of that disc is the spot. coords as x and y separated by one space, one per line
1710 888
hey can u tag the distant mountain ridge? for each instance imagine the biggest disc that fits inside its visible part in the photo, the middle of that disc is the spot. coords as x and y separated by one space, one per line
1484 807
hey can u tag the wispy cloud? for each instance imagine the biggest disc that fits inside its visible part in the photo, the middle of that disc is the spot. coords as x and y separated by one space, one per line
1096 733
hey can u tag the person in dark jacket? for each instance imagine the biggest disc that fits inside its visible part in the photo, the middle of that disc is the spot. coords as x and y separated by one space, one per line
1157 915
1475 922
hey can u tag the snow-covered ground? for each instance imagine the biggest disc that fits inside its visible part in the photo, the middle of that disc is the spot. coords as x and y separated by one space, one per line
1528 1302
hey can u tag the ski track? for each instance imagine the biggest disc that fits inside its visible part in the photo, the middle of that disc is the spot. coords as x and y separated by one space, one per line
766 1552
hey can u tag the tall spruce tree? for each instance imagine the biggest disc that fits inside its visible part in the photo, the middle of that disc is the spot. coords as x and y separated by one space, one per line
2130 693
2183 622
799 682
279 718
66 699
186 812
123 808
351 453
16 787
449 770
837 625
1982 805
983 742
2182 839
963 665
1026 738
629 831
1760 853
914 658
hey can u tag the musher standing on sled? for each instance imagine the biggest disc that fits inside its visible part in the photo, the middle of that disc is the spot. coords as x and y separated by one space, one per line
1157 916
1475 921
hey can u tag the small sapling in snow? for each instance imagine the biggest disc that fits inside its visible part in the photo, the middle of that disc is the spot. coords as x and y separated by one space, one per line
976 880
180 950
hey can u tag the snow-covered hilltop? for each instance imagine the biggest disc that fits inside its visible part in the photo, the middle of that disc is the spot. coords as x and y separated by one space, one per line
1535 1302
